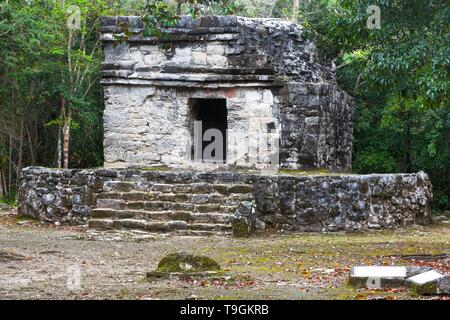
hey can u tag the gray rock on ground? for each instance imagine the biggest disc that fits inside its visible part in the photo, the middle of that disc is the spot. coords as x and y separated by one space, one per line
440 219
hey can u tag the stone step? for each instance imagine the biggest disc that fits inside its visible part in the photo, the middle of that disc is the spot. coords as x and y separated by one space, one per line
209 226
229 207
128 196
138 224
179 208
106 198
153 226
162 215
201 233
180 188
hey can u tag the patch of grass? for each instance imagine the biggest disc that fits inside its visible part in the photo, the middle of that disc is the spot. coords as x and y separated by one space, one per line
20 217
437 213
155 168
223 298
313 172
124 293
10 201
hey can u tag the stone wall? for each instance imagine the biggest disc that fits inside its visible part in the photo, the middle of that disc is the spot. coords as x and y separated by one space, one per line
152 125
344 202
213 48
302 203
317 127
269 74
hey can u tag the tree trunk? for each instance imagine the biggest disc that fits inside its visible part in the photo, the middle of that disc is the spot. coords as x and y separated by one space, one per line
2 184
10 163
30 145
66 140
5 186
295 8
406 117
59 149
20 157
408 165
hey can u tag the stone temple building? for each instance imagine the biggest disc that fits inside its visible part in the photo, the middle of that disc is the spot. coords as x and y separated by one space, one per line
256 81
192 121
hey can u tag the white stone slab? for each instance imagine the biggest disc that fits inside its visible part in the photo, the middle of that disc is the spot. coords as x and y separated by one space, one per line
426 277
378 271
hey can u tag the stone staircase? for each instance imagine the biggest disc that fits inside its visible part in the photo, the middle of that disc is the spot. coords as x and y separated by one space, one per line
193 208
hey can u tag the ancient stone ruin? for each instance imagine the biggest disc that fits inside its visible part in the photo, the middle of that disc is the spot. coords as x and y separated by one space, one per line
245 77
256 91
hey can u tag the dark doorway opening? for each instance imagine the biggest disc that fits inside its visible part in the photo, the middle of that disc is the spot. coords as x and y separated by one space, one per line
212 113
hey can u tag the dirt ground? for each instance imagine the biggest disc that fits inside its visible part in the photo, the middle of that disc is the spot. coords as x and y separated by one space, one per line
37 260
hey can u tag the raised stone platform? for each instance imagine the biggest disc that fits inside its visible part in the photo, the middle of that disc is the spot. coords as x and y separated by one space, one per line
202 203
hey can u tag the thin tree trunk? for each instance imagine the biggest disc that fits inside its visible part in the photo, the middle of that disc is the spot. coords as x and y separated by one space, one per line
67 116
59 149
10 163
30 145
295 7
2 184
11 140
66 140
408 166
20 157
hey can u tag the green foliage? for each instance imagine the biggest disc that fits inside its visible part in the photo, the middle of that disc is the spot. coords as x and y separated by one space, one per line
10 200
158 14
43 63
225 7
399 76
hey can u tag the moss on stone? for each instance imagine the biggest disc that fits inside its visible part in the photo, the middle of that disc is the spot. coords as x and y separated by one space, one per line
183 216
240 228
313 172
184 262
424 289
155 168
364 188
